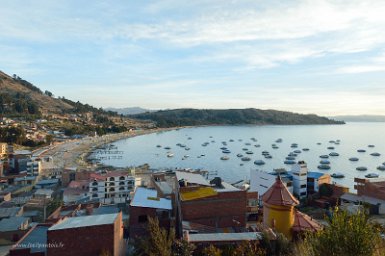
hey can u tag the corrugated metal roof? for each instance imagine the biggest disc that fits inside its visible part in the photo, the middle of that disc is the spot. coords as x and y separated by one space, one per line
197 193
145 197
12 224
315 175
193 178
219 237
85 221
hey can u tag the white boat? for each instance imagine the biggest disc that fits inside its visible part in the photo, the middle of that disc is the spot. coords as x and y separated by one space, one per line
225 158
371 175
170 155
337 175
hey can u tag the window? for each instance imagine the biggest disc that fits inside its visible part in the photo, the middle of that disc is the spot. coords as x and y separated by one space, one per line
112 189
95 189
94 195
121 188
121 178
94 183
121 183
303 186
142 219
112 184
112 179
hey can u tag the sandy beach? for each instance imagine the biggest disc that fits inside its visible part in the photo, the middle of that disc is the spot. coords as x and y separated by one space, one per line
73 153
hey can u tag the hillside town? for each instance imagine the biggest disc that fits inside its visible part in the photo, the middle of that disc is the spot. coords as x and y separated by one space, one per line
45 200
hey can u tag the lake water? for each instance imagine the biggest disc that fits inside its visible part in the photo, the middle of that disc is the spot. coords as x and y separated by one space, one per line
352 136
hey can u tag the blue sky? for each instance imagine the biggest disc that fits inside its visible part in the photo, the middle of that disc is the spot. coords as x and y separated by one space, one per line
323 57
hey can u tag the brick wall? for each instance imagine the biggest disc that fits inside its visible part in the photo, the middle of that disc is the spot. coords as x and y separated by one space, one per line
371 189
137 228
87 241
227 209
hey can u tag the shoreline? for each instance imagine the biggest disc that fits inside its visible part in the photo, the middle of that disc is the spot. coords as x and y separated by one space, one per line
73 154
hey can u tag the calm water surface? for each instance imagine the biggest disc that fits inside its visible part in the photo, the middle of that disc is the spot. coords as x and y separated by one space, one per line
352 136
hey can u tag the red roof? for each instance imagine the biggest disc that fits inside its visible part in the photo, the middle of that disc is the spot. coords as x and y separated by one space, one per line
303 222
279 195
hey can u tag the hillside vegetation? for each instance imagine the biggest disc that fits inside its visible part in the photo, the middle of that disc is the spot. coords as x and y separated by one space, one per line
18 97
191 117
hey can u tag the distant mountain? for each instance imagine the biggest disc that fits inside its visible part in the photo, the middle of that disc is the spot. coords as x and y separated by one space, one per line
190 117
18 97
129 111
360 118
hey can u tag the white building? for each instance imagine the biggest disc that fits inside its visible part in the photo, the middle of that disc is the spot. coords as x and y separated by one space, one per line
261 181
299 172
112 187
34 167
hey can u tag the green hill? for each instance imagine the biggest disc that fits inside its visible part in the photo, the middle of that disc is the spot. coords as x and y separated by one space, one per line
191 117
18 97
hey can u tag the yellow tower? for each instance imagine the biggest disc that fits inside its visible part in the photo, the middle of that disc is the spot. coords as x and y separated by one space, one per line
278 208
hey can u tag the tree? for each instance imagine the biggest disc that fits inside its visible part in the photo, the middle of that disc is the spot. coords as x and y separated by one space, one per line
48 93
249 248
159 242
211 250
183 248
49 139
347 234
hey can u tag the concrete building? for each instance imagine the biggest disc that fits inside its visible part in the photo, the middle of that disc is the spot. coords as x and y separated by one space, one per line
32 243
76 191
315 180
299 172
34 167
111 187
13 228
87 236
146 203
3 150
214 204
261 181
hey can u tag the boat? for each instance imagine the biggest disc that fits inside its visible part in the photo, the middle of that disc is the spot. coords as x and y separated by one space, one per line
289 162
279 140
371 146
353 159
319 143
226 151
249 152
223 148
268 157
290 158
275 147
297 151
245 158
323 167
371 175
381 168
294 145
331 148
189 138
203 155
324 162
259 162
247 144
225 158
375 154
182 145
257 145
361 168
324 156
187 148
334 154
158 146
265 152
245 149
292 154
337 175
170 155
361 150
332 141
239 155
186 156
168 148
231 140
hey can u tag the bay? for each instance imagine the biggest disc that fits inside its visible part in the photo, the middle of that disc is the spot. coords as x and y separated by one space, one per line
317 138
